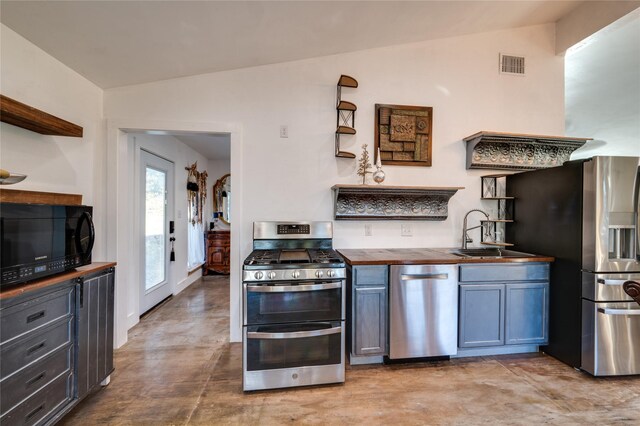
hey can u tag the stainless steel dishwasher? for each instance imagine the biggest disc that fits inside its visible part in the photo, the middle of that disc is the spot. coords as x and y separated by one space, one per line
423 311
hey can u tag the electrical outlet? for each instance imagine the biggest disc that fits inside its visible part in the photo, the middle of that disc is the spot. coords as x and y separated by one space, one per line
368 230
405 230
284 131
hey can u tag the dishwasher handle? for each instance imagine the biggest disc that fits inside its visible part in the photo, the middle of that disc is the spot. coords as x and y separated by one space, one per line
423 277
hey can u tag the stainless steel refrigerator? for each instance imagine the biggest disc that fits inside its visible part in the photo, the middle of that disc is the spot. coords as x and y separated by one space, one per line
585 214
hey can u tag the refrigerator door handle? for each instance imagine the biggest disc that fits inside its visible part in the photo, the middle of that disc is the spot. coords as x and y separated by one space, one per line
636 207
610 282
607 311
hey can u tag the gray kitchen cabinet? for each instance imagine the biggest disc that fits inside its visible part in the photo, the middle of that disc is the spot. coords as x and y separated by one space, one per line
367 319
504 308
482 310
36 349
527 319
95 298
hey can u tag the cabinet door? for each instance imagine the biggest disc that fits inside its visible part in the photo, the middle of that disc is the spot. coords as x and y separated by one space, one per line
481 315
370 320
527 313
95 331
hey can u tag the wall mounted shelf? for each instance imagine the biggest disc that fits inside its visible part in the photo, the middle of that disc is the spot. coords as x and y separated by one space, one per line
369 202
21 115
345 113
493 188
513 151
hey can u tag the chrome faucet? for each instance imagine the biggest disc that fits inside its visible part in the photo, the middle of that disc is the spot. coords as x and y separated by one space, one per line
465 237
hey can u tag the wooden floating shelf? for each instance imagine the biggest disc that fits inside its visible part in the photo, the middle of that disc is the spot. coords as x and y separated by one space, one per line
498 220
21 115
497 198
37 197
375 202
515 151
496 244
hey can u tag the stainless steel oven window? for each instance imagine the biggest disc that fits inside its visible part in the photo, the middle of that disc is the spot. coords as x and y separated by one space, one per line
311 301
281 346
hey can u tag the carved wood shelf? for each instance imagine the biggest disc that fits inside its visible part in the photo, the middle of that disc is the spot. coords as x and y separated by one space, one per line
513 151
369 202
21 115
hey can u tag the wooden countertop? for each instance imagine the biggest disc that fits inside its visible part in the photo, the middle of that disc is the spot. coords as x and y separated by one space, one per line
423 256
54 279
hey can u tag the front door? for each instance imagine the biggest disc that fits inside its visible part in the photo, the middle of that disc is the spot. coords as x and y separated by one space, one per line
156 205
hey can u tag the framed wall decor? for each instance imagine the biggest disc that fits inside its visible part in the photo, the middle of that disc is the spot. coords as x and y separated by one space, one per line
403 135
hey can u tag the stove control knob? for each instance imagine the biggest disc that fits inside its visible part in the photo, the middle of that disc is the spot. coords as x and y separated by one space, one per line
259 275
295 274
271 275
331 273
319 274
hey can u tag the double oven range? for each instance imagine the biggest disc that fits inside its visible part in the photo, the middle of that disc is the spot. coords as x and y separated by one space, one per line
294 307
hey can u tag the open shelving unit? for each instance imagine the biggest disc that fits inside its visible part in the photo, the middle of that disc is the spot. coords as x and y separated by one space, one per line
345 113
494 189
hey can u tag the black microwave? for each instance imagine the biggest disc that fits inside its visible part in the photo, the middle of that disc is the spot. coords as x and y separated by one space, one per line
38 240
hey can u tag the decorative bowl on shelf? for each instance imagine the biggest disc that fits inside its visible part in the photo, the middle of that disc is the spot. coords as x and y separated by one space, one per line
7 178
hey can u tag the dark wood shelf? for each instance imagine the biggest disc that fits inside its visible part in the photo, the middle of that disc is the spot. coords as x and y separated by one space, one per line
21 115
498 220
497 198
347 81
37 197
347 106
345 154
344 130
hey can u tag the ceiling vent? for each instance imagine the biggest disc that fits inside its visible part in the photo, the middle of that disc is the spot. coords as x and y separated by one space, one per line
511 64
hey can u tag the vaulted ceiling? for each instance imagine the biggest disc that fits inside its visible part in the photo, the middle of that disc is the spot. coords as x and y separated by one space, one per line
118 43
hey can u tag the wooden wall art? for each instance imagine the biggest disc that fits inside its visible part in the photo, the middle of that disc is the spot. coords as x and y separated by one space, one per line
403 134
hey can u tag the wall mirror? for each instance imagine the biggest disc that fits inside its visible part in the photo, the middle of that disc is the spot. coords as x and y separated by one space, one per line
222 198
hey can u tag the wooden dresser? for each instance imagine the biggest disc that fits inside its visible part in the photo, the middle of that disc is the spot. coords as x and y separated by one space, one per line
217 245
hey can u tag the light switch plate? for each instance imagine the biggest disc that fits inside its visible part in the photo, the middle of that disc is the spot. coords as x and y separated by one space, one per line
368 230
405 230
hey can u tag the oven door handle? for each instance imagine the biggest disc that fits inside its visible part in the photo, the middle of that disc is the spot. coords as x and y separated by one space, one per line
294 334
608 311
293 288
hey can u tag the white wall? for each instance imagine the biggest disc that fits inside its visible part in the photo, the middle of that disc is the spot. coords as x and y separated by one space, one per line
54 163
603 90
290 179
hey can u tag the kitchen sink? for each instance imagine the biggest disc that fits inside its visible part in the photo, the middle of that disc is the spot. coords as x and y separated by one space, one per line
484 253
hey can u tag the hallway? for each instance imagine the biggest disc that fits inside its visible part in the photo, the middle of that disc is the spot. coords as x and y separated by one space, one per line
179 368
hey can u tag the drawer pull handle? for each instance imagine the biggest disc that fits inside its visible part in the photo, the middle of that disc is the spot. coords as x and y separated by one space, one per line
36 316
34 412
37 347
36 379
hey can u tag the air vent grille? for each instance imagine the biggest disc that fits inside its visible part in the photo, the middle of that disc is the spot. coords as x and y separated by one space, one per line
511 64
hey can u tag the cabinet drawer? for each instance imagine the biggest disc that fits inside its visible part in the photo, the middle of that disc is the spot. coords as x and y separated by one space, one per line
31 314
505 272
41 405
19 386
370 275
23 352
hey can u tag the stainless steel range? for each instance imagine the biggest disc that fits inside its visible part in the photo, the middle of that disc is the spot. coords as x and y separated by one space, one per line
294 307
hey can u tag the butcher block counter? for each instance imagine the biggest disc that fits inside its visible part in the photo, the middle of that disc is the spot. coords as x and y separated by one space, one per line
425 256
54 279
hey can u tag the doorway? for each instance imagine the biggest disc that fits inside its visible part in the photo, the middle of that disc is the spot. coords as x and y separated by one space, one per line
156 205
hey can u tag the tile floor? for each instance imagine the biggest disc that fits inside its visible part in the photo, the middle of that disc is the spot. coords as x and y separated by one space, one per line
179 368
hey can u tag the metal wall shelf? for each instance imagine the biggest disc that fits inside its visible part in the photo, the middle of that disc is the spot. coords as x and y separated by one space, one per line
513 151
368 202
